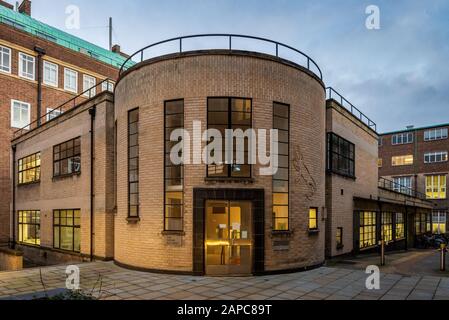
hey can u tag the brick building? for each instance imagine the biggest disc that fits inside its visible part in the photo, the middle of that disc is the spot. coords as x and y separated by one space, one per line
41 69
417 158
108 187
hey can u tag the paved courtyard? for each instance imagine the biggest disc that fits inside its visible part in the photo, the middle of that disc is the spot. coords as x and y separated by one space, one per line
110 282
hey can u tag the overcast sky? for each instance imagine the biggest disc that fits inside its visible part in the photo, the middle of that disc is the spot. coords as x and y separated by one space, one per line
398 75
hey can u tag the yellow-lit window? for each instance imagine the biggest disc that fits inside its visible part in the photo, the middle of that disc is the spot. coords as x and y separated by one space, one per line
436 187
380 162
367 229
313 219
439 223
30 227
400 226
387 226
339 238
402 160
30 169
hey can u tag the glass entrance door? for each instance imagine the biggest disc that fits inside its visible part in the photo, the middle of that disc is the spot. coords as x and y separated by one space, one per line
229 238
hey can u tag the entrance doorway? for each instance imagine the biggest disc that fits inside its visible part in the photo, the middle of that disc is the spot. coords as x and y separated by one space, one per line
229 238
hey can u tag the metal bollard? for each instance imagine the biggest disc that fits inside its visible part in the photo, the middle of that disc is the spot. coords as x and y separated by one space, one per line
443 257
382 253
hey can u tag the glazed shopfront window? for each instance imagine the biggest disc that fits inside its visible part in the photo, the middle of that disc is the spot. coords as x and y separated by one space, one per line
174 173
400 226
387 226
30 169
30 227
67 158
67 230
367 229
230 113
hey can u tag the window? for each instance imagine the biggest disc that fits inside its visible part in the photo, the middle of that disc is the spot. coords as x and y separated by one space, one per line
29 169
281 196
367 229
89 83
380 162
67 230
402 138
53 113
436 187
5 59
380 141
20 114
50 74
340 155
420 223
313 219
174 173
400 226
403 185
436 134
435 157
26 66
230 113
387 226
339 238
70 80
107 86
30 227
133 163
439 222
402 161
67 158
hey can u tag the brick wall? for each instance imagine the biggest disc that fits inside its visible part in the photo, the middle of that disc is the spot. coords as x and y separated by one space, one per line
194 78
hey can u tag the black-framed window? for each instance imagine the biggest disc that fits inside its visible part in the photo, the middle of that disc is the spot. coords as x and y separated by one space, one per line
421 223
67 158
368 229
230 113
133 164
400 226
339 237
30 227
174 173
313 219
67 229
387 226
281 186
29 169
340 155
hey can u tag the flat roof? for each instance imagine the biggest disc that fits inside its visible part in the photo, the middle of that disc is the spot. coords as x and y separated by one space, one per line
415 129
36 28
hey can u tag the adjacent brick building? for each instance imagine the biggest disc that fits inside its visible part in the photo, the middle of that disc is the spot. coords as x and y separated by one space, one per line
417 158
46 67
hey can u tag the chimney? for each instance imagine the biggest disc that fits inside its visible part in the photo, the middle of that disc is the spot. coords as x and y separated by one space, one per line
6 5
25 7
116 49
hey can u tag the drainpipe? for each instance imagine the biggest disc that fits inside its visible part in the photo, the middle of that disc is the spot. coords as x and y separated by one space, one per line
92 113
40 53
13 241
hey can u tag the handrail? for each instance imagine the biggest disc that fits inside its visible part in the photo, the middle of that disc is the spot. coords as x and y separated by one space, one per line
396 187
71 103
140 53
331 92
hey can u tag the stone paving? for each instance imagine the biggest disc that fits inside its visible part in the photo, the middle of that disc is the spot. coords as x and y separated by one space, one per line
110 282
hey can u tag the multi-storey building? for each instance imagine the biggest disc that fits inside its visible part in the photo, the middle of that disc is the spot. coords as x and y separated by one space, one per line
417 158
107 186
41 68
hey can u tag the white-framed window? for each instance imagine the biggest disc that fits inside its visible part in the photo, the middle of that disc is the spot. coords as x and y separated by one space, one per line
439 220
436 134
435 157
20 114
70 80
5 59
436 187
51 113
402 160
403 185
50 74
402 138
89 82
107 86
27 67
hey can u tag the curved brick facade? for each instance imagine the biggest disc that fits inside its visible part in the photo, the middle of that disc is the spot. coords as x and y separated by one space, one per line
194 78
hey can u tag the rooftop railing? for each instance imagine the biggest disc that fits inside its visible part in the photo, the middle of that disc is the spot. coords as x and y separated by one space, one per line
399 188
105 85
333 94
228 42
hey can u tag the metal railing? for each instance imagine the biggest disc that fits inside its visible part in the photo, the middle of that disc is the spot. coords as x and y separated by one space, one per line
399 188
105 85
333 94
230 45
